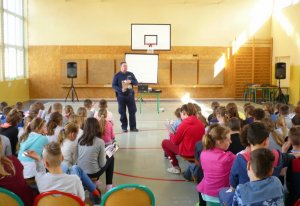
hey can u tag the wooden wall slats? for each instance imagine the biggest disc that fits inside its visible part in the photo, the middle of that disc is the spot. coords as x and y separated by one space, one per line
45 70
184 72
252 64
164 72
100 71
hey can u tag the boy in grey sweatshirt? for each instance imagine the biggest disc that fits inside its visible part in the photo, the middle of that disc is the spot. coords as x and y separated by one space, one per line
55 179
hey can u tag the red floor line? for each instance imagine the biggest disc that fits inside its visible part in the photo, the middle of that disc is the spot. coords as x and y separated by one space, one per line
148 178
138 148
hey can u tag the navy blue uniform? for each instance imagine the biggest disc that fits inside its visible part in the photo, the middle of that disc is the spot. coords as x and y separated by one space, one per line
125 99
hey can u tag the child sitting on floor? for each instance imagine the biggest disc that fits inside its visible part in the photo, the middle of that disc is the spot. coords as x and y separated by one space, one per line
68 111
103 105
234 125
54 126
212 118
88 104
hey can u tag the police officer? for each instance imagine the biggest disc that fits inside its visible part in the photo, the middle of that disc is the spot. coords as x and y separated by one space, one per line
123 85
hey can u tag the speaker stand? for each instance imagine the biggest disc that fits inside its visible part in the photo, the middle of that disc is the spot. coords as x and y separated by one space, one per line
281 98
73 92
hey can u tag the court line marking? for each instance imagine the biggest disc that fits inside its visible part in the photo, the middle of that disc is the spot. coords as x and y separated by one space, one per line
149 178
140 148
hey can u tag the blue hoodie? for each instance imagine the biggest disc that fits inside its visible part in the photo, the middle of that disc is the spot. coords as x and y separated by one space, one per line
34 142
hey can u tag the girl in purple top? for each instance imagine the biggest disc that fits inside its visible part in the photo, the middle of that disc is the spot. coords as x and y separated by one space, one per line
216 163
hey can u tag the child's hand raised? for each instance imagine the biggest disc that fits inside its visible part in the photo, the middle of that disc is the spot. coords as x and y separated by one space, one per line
32 154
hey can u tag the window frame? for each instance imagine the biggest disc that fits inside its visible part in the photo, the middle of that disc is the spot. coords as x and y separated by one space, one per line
21 48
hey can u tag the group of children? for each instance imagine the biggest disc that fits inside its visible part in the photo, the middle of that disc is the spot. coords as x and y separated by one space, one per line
69 145
239 160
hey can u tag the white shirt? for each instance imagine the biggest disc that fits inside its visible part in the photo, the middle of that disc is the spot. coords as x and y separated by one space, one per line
69 151
61 182
54 137
80 133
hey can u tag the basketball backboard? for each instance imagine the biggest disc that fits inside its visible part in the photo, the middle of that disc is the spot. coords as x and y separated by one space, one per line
156 36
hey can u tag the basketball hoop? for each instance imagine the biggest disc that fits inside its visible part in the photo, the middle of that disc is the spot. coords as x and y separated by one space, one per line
150 49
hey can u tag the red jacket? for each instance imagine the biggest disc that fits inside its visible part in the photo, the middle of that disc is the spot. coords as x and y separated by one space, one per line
190 131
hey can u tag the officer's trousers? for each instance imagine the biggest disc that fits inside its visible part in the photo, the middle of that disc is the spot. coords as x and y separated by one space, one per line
129 102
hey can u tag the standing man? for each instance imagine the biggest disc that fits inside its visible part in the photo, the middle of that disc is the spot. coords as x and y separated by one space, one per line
123 85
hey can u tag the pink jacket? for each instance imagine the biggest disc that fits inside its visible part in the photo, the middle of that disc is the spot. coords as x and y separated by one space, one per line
109 134
216 165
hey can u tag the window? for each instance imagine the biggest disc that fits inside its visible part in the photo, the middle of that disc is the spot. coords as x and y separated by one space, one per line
13 39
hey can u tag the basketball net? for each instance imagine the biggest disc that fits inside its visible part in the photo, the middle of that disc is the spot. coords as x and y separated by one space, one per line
150 49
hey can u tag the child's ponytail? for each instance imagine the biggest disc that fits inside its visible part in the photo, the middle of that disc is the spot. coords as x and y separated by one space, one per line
61 136
208 142
66 131
102 114
214 134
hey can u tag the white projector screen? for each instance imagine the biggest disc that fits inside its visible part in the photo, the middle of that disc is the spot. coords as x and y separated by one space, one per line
143 66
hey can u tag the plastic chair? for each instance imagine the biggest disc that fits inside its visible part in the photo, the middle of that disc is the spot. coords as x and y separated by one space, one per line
213 204
55 198
297 203
129 195
9 198
189 159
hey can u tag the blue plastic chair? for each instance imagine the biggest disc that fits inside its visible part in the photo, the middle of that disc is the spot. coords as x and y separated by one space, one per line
129 195
9 198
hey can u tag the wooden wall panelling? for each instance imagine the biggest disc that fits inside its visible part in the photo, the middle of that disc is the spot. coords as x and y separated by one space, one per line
262 71
164 75
206 73
118 61
243 69
184 72
81 71
42 82
100 71
252 64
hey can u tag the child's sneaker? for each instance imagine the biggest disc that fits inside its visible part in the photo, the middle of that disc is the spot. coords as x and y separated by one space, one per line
174 170
96 198
108 187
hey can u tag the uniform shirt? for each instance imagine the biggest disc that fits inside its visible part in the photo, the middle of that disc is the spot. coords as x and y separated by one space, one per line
117 82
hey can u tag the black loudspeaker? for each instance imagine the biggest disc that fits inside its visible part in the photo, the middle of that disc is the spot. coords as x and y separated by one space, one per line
72 70
280 70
